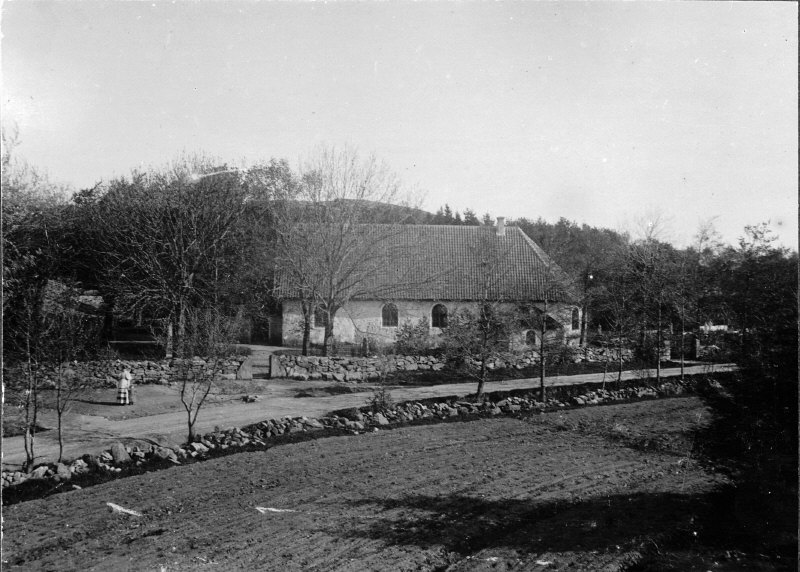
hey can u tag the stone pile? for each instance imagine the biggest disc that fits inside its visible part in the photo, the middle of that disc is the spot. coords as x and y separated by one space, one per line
355 421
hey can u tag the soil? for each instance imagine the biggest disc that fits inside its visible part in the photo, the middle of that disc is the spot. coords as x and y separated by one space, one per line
587 489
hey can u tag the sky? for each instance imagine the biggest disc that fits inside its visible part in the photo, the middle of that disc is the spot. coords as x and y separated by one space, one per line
599 112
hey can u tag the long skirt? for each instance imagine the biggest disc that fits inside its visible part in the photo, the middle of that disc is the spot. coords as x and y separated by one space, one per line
123 397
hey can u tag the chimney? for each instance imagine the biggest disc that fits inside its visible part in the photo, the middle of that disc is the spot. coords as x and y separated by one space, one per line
501 226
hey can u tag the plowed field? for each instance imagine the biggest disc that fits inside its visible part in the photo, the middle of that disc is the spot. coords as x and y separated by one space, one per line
580 490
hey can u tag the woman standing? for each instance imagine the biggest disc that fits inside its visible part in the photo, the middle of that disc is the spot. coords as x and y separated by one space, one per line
124 387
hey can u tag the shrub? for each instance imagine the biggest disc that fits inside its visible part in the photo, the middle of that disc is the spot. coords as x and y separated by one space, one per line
380 401
563 354
414 339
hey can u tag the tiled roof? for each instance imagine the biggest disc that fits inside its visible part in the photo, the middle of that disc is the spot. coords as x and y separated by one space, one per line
440 262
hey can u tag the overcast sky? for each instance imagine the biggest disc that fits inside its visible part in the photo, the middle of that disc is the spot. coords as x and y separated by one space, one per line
598 112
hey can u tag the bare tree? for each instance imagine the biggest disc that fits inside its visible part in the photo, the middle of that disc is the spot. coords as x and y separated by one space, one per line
209 337
473 339
32 225
651 265
616 301
537 314
30 328
67 335
329 247
163 233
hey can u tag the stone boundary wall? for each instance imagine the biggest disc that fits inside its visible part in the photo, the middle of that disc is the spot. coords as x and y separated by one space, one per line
370 368
106 373
348 368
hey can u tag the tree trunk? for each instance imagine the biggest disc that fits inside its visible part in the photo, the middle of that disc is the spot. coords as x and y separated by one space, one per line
30 408
583 325
307 314
179 345
59 415
659 342
327 345
481 380
306 338
683 327
170 342
542 358
60 437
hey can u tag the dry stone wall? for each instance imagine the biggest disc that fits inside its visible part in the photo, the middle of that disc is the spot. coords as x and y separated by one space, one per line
106 373
369 368
348 369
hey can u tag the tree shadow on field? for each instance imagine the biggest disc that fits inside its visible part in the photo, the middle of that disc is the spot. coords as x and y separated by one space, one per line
754 439
466 525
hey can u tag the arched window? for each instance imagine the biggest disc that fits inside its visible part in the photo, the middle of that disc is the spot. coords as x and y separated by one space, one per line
439 316
576 319
389 316
530 338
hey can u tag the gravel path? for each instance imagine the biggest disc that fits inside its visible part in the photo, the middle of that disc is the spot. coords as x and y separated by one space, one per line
95 433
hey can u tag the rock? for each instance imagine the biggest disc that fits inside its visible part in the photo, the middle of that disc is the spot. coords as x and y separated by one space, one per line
118 453
199 447
39 472
313 423
380 419
62 471
165 454
79 467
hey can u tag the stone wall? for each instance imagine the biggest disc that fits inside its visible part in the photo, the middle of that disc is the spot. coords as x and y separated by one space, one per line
348 369
370 368
106 373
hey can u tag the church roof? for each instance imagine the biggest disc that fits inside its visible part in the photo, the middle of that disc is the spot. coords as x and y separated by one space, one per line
442 262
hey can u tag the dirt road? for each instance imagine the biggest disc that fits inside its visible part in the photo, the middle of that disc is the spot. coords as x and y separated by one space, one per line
560 491
158 415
